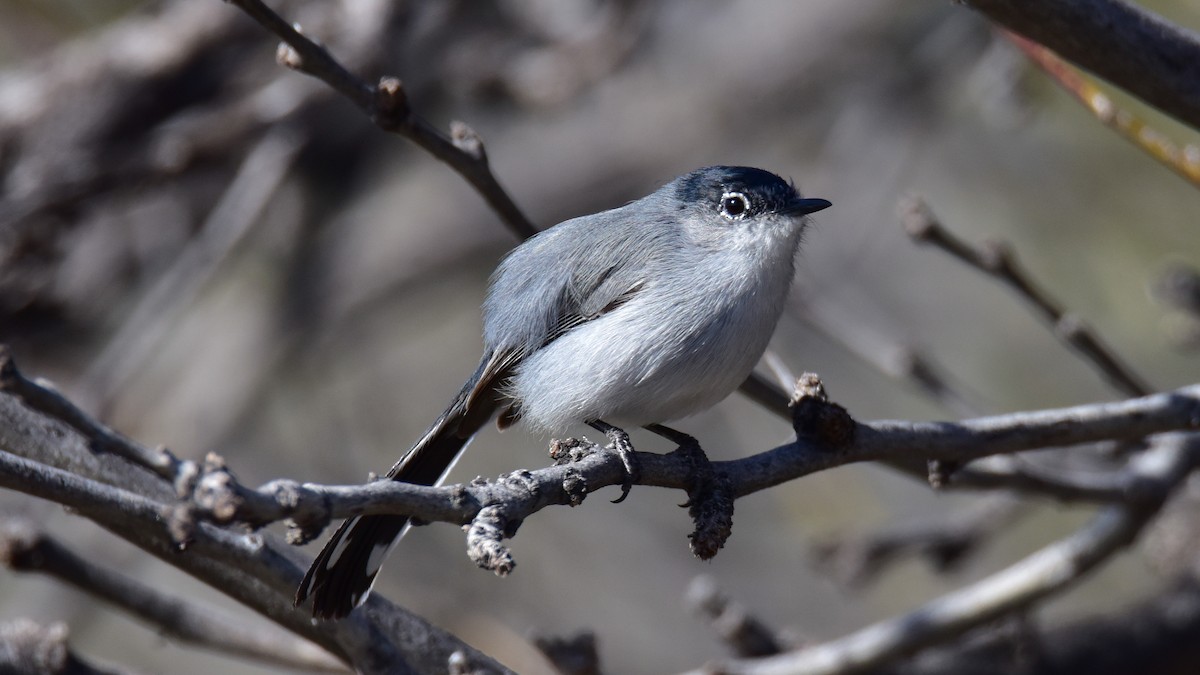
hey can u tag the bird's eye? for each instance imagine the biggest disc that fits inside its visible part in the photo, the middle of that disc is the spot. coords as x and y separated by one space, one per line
734 204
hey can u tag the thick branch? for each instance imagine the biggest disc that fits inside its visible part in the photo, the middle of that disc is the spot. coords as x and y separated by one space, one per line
25 548
253 569
1134 49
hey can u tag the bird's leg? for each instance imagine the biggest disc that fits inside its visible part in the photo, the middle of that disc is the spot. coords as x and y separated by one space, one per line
620 442
701 470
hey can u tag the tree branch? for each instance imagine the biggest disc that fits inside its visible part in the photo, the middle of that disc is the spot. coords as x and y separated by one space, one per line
253 569
514 498
1129 46
388 107
1047 572
997 260
24 548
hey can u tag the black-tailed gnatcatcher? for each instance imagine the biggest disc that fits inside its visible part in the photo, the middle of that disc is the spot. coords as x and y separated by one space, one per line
639 315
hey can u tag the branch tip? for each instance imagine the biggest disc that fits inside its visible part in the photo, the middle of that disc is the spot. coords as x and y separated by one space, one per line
468 140
287 56
484 536
391 101
816 418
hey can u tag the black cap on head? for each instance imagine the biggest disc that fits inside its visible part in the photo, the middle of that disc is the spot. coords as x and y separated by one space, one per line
768 192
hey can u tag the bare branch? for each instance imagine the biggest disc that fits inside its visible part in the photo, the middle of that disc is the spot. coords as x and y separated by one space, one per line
255 569
1047 572
1127 45
239 209
388 106
24 548
520 495
944 541
42 397
997 260
745 635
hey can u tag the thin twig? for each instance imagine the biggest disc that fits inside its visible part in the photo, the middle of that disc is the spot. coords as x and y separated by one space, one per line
258 178
1184 161
388 107
997 260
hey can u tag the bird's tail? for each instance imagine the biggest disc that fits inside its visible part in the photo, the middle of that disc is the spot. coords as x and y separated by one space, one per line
341 576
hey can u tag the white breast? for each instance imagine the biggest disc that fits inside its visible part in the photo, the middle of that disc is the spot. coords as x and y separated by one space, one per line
678 347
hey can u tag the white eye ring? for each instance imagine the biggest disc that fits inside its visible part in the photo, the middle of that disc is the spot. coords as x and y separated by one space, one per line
734 205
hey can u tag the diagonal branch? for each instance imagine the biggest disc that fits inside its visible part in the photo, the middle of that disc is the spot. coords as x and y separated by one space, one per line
1127 45
23 547
388 107
997 260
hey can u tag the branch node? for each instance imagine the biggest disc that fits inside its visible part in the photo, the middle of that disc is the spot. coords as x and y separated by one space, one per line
460 497
575 486
710 502
571 450
816 418
287 56
391 103
484 535
181 523
917 218
1071 328
466 139
996 256
940 472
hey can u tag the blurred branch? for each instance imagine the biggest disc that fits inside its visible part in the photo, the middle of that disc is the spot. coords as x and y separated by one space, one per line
24 548
1127 45
574 655
1183 161
254 569
29 647
945 540
998 260
388 107
1047 572
1075 485
745 635
239 209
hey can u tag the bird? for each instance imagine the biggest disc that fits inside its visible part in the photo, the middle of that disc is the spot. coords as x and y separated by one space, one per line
638 315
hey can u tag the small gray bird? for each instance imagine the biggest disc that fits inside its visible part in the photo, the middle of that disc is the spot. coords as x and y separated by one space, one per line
639 315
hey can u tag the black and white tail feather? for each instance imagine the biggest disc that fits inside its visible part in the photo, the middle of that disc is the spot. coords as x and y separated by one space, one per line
341 576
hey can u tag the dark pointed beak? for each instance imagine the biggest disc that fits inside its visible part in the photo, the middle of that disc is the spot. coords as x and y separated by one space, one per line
803 207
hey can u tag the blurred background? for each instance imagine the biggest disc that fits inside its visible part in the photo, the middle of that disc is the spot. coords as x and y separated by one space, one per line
209 251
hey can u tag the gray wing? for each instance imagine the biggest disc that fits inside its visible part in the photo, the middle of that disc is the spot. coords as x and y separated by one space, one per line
572 273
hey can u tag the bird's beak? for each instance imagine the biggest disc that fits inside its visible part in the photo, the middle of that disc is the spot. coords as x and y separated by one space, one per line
803 207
